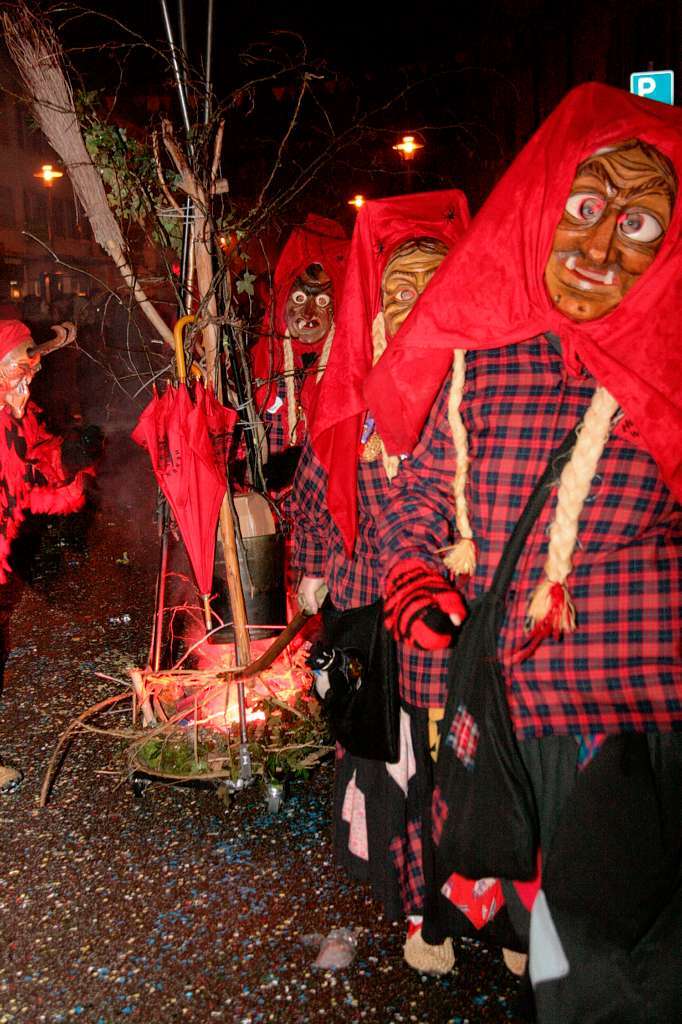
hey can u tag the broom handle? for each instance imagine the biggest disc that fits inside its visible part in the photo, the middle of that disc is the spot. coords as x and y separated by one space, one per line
241 633
234 583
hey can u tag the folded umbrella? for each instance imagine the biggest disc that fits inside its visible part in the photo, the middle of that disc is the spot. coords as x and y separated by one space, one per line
187 441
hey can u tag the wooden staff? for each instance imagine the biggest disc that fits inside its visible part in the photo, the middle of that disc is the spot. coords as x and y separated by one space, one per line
234 584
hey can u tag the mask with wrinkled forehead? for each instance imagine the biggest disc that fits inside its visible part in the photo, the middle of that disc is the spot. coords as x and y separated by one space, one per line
614 223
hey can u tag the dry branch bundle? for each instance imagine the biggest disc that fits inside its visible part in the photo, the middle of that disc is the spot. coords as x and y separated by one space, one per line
36 52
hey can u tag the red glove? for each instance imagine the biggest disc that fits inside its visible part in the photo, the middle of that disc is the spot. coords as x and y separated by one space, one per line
418 606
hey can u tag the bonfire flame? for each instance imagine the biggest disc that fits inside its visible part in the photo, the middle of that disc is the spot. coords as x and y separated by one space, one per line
200 698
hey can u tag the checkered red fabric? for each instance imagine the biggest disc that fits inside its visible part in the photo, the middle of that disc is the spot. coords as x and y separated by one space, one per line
276 423
277 430
622 668
318 551
406 853
423 676
463 737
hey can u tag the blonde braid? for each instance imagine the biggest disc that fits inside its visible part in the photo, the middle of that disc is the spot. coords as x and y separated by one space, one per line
374 448
551 609
391 463
461 557
379 341
289 382
324 354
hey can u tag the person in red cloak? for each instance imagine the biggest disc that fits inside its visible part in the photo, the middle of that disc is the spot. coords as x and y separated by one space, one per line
32 477
561 307
289 358
340 490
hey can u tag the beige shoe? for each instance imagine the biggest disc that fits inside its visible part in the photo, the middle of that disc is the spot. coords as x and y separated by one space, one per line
515 962
428 959
10 779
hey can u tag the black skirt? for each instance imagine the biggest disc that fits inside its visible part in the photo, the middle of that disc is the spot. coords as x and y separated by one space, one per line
382 835
378 817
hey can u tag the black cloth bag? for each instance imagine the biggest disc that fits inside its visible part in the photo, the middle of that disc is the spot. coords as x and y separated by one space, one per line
491 826
362 704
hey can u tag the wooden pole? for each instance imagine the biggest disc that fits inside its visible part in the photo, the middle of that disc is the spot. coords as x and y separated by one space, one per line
239 625
234 584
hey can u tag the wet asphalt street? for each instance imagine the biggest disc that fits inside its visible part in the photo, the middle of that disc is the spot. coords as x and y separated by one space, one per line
169 907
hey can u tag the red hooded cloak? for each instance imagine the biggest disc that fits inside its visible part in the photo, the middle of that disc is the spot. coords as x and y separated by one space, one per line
490 290
337 418
32 477
318 240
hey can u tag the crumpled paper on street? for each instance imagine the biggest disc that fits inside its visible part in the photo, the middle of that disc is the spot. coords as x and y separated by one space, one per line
335 950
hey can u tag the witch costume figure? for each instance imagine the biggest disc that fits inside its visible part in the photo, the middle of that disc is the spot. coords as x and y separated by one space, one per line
32 477
342 484
559 310
289 358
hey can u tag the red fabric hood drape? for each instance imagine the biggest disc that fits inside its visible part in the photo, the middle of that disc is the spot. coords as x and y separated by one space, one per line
318 240
337 417
490 291
12 333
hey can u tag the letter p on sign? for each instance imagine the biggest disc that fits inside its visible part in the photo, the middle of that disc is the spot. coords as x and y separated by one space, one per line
653 85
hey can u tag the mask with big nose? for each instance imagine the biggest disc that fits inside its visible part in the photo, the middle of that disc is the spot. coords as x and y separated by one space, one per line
310 308
17 369
407 274
614 223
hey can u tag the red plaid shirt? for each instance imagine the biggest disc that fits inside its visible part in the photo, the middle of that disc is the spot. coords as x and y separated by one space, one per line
622 668
276 423
318 551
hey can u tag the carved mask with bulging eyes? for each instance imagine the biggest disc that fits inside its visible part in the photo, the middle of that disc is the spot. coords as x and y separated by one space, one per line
614 223
407 274
309 310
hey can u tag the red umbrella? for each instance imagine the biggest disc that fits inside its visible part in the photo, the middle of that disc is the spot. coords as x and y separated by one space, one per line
187 443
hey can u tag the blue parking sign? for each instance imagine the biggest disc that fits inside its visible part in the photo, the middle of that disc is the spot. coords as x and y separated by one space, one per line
654 85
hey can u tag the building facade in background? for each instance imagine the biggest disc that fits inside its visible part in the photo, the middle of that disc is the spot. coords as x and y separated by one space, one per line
30 277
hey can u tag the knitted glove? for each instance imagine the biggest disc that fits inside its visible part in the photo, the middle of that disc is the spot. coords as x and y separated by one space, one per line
418 606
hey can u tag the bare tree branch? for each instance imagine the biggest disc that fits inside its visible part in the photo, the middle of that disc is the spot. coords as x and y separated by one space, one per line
36 54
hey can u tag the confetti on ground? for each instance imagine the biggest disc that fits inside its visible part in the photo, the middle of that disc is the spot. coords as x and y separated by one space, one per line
171 907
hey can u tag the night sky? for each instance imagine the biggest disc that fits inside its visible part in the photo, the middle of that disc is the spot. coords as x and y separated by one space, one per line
474 79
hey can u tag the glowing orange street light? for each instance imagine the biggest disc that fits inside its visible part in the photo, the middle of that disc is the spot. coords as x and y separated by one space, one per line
408 147
48 174
357 201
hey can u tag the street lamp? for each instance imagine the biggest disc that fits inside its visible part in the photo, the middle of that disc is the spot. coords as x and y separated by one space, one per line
407 148
48 175
357 201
